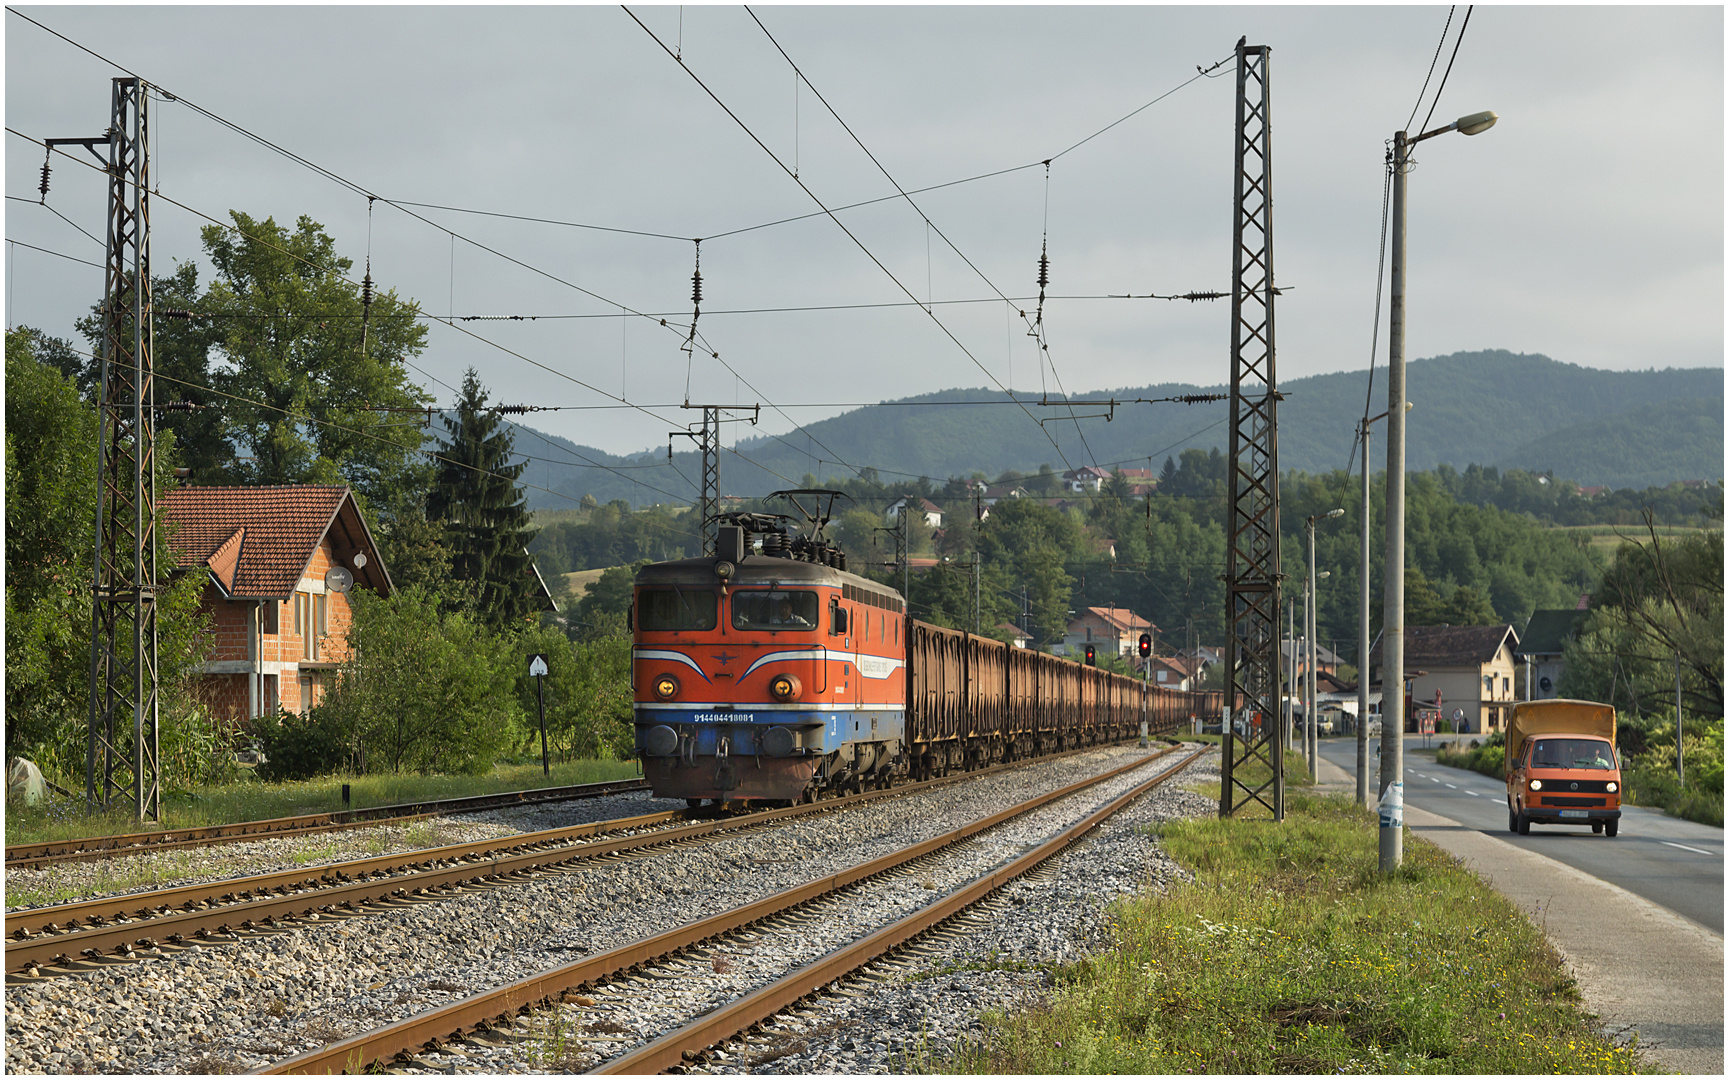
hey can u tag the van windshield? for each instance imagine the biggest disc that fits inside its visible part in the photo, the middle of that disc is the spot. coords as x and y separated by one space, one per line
676 609
1572 754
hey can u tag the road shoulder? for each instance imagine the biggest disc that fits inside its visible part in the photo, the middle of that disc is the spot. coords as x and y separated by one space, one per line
1640 967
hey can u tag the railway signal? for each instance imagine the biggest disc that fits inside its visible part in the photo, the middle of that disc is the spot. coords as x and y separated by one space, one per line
1091 662
1146 646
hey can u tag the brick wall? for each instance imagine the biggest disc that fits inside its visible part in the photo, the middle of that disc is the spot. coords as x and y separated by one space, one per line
229 695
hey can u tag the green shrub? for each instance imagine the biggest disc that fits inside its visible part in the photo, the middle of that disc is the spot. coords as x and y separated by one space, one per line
302 747
426 691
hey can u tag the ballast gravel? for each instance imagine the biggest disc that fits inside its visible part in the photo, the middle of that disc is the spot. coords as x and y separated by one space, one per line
238 1006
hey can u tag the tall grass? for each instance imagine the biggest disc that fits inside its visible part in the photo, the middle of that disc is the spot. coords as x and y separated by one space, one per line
1291 953
251 800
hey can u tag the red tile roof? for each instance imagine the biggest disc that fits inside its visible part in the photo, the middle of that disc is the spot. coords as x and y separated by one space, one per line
1122 618
257 541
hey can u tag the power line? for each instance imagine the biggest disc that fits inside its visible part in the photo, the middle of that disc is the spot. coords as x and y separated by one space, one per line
56 254
926 218
1439 90
359 189
715 353
449 322
1439 45
860 244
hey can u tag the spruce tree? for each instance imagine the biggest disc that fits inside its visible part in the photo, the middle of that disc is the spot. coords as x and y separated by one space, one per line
485 514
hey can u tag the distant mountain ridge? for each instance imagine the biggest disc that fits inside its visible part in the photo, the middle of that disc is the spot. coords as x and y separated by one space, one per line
1514 410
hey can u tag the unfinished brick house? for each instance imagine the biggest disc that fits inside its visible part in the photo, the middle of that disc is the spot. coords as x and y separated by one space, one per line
280 561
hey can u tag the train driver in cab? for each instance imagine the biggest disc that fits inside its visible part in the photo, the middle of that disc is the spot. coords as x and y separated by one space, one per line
784 615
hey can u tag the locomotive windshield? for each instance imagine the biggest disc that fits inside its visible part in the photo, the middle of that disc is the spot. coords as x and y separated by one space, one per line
676 609
774 609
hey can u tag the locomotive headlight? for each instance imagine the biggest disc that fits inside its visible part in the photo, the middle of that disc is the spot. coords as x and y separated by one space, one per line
785 687
1612 788
1536 785
723 569
666 687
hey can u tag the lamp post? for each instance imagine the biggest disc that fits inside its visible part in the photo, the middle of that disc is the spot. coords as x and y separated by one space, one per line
1363 664
1291 666
1309 636
1392 812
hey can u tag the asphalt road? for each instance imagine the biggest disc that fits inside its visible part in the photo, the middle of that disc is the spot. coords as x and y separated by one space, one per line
1675 864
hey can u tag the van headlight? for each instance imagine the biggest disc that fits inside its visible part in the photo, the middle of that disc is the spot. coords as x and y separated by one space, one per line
1536 785
665 687
1613 787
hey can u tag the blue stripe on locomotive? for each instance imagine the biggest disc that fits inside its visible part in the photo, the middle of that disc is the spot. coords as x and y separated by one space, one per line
744 727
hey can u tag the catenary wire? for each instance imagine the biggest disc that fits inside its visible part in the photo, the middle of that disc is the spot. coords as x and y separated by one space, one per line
360 190
45 251
1044 349
850 235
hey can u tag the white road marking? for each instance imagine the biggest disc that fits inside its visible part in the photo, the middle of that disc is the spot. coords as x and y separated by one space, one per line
1470 793
1455 787
1684 847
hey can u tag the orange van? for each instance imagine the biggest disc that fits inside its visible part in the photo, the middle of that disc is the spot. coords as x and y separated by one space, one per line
1561 766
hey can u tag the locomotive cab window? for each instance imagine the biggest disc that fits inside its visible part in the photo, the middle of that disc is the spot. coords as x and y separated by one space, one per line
774 609
676 609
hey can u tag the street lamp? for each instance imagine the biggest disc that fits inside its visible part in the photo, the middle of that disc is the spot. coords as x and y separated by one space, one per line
1392 814
1309 634
1311 747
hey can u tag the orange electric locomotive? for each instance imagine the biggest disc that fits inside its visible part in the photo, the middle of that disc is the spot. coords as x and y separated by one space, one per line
768 673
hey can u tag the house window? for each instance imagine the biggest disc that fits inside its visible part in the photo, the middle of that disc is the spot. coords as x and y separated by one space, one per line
308 691
271 621
1506 686
1161 676
308 623
267 695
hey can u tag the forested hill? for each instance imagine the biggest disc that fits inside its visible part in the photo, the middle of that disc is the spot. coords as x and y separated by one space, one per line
1617 428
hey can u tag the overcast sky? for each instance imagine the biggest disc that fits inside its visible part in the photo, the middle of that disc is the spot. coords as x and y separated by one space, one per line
1587 225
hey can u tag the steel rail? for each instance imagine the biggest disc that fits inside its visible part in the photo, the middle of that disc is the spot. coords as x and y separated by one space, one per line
685 1044
64 918
491 1008
108 924
104 847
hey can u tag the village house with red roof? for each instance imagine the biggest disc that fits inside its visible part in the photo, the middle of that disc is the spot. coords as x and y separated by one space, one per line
1106 629
280 562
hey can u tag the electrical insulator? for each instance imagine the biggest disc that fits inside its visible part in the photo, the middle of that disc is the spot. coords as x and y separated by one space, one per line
44 188
696 287
1044 270
366 291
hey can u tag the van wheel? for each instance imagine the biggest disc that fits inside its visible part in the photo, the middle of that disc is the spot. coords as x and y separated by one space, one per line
1596 826
1524 824
1512 819
1610 828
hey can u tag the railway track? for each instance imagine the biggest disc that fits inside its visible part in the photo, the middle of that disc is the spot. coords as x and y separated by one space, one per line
20 856
67 939
482 1016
